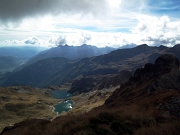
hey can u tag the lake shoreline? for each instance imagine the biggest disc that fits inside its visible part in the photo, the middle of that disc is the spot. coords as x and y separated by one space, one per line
66 102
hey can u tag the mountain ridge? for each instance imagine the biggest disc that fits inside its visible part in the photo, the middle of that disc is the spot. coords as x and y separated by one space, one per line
71 52
115 61
111 63
34 74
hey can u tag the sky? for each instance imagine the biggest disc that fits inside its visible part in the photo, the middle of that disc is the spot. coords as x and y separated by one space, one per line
114 23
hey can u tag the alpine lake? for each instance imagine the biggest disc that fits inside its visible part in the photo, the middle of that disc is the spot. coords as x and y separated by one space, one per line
65 105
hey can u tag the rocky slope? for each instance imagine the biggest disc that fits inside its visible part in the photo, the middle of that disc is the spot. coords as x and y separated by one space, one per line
99 82
115 80
161 80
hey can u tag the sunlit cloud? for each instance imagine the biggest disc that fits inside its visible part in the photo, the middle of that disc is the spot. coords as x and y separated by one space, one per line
101 23
158 31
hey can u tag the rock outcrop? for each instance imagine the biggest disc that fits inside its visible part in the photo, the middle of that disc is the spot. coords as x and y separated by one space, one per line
164 64
99 82
161 79
115 80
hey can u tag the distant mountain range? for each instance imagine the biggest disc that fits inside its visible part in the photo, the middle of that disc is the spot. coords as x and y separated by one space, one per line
13 57
25 55
111 63
9 63
23 52
71 52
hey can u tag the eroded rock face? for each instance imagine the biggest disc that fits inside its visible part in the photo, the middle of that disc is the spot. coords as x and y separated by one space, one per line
86 84
165 73
169 81
163 76
115 80
163 65
143 74
172 106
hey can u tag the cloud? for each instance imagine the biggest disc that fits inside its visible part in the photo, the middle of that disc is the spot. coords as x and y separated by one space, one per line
151 30
168 39
152 24
157 31
85 38
32 40
134 5
16 42
15 10
55 41
71 39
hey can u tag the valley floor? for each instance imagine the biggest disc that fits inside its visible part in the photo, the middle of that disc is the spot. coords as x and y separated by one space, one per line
18 103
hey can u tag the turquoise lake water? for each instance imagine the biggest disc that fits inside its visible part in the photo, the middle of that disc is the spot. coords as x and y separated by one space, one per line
64 105
61 94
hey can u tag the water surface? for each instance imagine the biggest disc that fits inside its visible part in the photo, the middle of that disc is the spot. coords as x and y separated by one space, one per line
65 105
61 94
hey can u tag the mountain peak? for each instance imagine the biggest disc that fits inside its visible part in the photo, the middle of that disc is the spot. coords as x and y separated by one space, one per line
65 45
143 45
165 63
177 46
84 45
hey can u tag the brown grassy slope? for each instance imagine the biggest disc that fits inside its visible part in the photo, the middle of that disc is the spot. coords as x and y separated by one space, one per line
118 121
19 103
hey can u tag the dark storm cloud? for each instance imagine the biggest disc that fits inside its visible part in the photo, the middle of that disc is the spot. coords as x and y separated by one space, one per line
15 10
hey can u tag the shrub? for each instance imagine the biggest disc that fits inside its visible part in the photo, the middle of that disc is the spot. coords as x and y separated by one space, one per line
120 128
